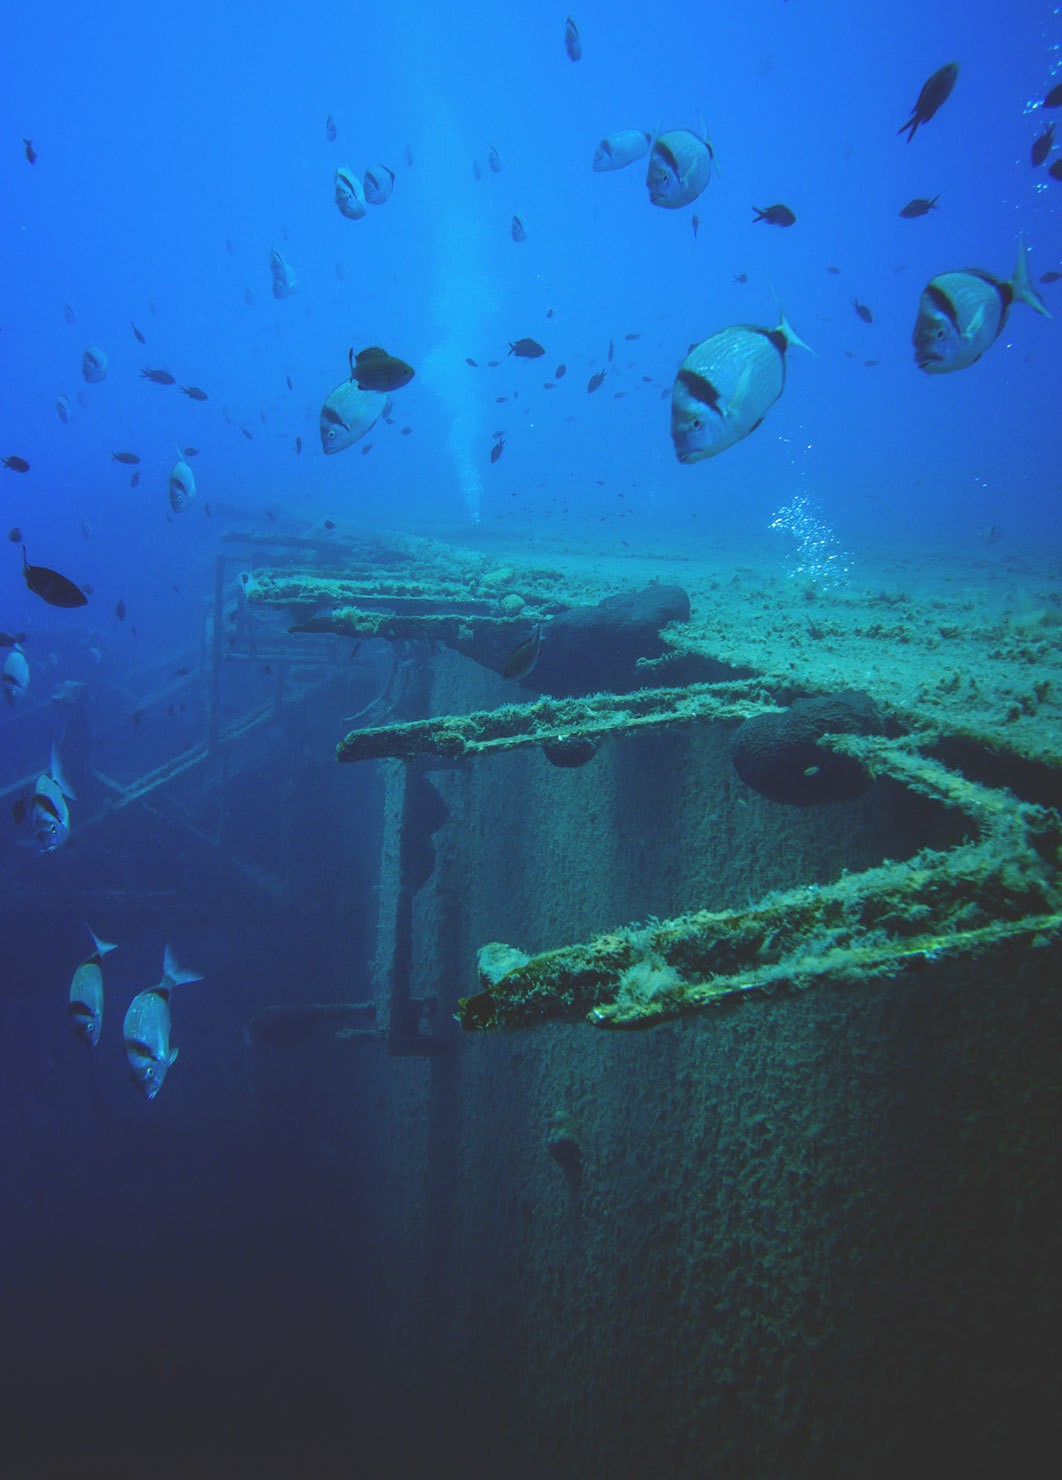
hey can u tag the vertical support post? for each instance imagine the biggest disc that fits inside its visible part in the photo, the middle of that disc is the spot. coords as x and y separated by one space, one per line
216 653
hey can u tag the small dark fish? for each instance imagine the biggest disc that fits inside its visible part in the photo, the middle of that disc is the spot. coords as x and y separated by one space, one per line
517 229
289 384
493 364
611 351
50 586
137 716
632 336
15 536
31 153
1051 276
497 450
249 296
193 393
494 160
330 129
500 400
12 639
595 381
920 206
134 479
366 448
1042 145
119 610
871 363
137 332
330 524
778 215
526 349
298 446
560 372
741 277
523 657
1055 170
573 43
863 311
68 314
129 458
1054 97
406 431
160 377
16 464
374 369
191 452
934 92
340 272
470 361
695 222
181 672
247 433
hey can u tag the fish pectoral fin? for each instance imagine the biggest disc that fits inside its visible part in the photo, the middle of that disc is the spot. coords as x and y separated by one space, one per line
975 325
740 391
173 1056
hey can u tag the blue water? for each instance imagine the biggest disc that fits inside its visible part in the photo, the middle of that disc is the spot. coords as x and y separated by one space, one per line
176 147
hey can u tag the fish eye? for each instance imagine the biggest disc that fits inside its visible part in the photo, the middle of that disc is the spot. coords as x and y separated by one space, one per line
696 424
940 331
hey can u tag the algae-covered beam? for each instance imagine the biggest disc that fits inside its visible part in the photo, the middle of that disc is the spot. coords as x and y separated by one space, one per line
969 901
558 722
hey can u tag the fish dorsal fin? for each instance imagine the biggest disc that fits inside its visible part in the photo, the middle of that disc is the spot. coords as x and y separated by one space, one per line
55 770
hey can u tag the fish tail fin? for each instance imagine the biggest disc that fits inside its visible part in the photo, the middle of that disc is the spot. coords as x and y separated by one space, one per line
103 947
785 328
759 216
703 127
173 975
55 770
1021 286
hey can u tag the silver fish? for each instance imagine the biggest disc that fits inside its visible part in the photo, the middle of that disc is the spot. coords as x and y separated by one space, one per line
378 184
16 676
350 197
86 992
182 489
348 413
94 364
63 410
961 314
146 1029
573 42
680 166
726 385
616 151
284 281
49 814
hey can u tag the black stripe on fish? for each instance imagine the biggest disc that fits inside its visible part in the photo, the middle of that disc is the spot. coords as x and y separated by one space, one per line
138 1046
777 338
669 159
701 388
79 1009
45 804
1005 291
940 299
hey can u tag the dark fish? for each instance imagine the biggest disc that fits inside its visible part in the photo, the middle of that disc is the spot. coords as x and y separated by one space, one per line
611 351
632 336
517 229
935 92
523 657
573 43
330 129
920 206
560 372
741 277
695 222
1051 276
366 448
31 153
863 311
494 160
160 377
289 384
15 536
1042 145
247 433
836 271
497 450
298 446
1054 97
470 361
129 458
12 639
249 296
595 381
68 314
134 479
870 363
1055 170
526 349
193 393
191 452
181 672
500 400
137 332
777 215
493 364
477 173
329 524
16 464
119 610
374 369
406 431
50 586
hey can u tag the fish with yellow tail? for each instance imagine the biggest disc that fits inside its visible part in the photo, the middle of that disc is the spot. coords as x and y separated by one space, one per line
725 387
961 314
146 1029
86 992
